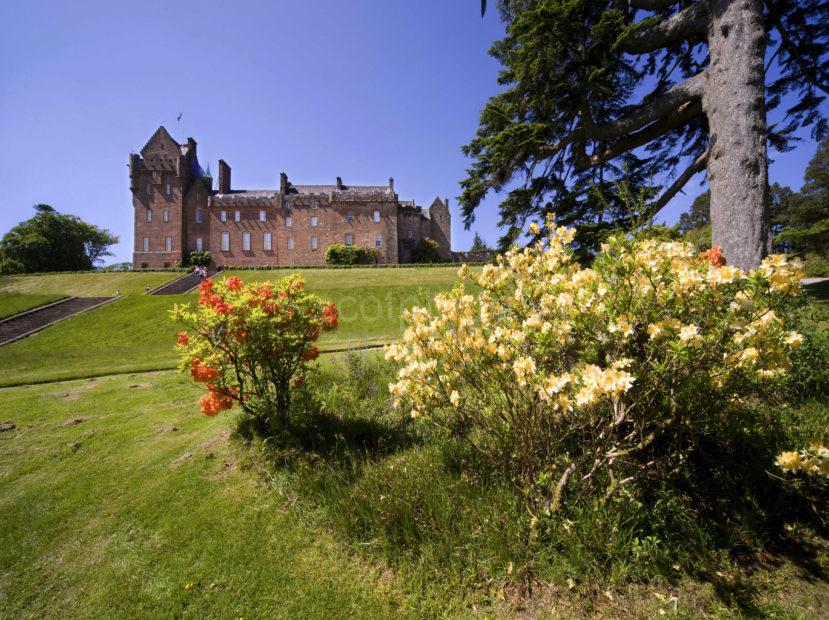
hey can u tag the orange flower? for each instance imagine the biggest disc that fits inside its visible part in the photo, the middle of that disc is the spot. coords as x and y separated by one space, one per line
182 338
205 291
311 354
234 283
330 316
203 372
214 402
714 256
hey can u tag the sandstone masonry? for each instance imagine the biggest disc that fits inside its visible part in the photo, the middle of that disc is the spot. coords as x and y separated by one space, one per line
177 210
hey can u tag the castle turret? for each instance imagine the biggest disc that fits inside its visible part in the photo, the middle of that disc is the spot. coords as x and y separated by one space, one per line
441 226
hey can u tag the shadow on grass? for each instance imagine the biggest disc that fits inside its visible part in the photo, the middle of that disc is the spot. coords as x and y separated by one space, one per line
819 291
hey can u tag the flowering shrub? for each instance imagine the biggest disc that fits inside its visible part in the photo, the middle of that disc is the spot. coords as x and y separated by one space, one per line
251 344
812 460
603 374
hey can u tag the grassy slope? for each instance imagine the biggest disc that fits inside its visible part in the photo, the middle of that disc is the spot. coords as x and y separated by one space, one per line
110 517
93 284
136 333
15 303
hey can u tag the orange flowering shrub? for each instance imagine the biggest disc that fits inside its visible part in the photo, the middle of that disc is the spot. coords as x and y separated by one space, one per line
597 376
250 344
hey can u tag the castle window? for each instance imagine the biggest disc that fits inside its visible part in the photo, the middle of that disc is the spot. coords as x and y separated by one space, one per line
199 244
350 217
168 190
411 234
149 215
223 216
313 204
168 244
313 243
237 216
225 242
378 240
349 239
290 243
376 216
165 215
288 205
313 220
246 242
289 221
263 217
198 215
149 189
266 242
146 244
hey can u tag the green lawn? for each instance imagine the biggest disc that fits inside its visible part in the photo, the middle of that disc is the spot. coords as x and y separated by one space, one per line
92 284
136 333
15 303
144 508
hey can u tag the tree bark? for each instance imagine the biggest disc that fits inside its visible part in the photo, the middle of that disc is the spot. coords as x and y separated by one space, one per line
734 102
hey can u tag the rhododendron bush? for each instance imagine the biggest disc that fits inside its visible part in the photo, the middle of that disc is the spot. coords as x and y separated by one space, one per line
562 375
250 344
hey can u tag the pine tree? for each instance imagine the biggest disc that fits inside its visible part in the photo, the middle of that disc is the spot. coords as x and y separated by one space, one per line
805 220
573 121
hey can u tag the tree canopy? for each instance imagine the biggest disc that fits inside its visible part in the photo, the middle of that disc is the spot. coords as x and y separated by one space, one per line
611 94
52 241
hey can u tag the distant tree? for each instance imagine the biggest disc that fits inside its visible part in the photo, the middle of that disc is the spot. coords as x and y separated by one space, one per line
599 91
479 245
427 251
804 217
52 241
698 215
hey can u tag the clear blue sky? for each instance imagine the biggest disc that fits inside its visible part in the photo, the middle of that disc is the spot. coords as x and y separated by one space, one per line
363 90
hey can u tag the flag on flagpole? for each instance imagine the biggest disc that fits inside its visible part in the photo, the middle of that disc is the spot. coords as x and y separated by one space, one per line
179 116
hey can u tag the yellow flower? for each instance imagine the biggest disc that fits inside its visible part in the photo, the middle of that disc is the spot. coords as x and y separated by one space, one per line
523 367
689 333
788 461
794 340
534 229
455 398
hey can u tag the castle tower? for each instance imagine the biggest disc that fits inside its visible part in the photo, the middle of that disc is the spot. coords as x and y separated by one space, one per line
441 226
159 178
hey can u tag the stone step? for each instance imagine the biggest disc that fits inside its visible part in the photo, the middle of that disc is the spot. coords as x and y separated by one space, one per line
25 323
182 285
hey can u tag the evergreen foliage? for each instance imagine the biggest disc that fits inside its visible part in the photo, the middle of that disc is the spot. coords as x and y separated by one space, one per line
340 254
52 241
572 120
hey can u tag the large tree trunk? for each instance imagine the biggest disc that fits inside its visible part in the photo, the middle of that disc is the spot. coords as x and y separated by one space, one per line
734 102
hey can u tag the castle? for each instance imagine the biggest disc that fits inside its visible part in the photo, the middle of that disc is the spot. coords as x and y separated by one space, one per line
178 210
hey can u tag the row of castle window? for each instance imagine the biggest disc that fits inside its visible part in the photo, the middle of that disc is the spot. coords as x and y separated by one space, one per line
289 219
267 241
263 217
267 244
168 190
165 215
168 244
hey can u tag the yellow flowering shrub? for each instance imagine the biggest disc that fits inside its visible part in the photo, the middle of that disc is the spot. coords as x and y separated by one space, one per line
560 373
812 460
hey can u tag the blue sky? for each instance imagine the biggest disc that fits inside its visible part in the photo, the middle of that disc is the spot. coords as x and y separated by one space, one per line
363 90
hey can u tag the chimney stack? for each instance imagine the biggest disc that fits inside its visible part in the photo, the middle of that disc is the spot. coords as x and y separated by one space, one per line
224 177
339 183
283 183
391 185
